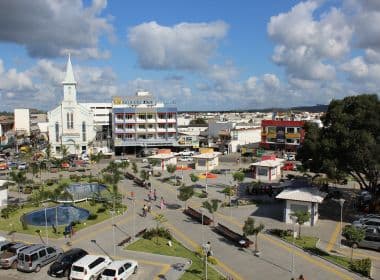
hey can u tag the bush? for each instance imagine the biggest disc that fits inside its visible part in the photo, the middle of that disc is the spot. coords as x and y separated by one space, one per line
49 182
212 260
92 216
161 232
24 224
101 210
362 266
281 233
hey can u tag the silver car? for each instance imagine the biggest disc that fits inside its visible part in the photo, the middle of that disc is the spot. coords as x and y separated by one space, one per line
8 259
37 256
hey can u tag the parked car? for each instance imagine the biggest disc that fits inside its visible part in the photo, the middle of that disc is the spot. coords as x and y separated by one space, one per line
120 270
22 166
37 256
364 222
3 165
62 266
186 153
8 259
291 157
371 240
5 245
289 166
12 165
89 267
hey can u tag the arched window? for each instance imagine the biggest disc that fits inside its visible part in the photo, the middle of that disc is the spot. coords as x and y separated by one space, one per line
84 132
72 120
68 119
56 132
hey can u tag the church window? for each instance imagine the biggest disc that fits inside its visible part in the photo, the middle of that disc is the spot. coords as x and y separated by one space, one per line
56 132
68 119
84 131
72 120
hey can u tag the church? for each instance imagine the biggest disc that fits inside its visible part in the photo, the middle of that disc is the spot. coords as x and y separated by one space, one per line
71 124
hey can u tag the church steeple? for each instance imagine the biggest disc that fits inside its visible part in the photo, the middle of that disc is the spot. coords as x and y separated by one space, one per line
69 78
69 84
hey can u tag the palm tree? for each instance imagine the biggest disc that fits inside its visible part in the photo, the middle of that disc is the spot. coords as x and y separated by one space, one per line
112 176
19 178
134 168
301 218
185 193
250 229
194 178
212 206
48 151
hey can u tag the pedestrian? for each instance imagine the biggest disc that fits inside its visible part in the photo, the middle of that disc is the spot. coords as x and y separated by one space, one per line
144 209
154 194
301 277
162 203
149 197
149 207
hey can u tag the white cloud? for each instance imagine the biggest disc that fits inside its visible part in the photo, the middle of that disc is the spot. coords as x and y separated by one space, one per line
53 28
186 46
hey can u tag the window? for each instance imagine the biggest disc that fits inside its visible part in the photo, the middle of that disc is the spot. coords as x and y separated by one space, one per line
142 117
119 126
34 257
262 171
161 116
150 126
68 119
127 265
72 120
150 116
56 132
129 126
120 136
273 171
109 272
120 271
141 126
84 131
271 129
119 117
161 125
129 136
129 117
77 268
96 262
290 130
170 125
50 250
42 253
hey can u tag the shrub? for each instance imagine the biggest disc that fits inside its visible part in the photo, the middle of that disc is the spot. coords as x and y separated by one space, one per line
92 216
24 224
101 210
49 182
362 266
281 233
161 232
212 260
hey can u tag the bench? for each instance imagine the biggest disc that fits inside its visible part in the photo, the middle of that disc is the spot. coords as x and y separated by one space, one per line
124 241
141 232
196 215
129 176
237 238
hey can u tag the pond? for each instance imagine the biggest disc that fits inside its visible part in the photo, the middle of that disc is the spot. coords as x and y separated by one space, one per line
62 214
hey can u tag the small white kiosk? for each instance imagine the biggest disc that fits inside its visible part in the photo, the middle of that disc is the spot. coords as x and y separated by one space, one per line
3 194
302 199
166 157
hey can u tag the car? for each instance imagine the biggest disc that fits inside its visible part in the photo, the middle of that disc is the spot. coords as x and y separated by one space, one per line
289 166
365 222
120 270
370 241
186 153
186 159
89 267
3 165
5 245
37 256
291 157
62 266
22 166
12 165
8 259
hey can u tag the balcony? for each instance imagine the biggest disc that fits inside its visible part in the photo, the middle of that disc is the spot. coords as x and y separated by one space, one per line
171 120
172 129
292 135
117 120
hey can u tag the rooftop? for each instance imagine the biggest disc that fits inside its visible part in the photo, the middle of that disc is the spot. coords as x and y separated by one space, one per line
302 194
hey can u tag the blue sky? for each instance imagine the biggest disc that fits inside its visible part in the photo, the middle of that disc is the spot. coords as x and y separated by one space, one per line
204 55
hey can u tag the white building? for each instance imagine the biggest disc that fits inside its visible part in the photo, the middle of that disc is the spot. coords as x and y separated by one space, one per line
3 194
303 199
268 170
22 122
71 124
243 136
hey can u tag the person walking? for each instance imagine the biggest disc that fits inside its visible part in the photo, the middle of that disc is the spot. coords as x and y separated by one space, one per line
149 197
149 207
144 209
162 203
154 194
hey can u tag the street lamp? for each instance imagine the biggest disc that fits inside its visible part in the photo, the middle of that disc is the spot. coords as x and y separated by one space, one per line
341 202
294 220
206 249
46 230
104 251
134 216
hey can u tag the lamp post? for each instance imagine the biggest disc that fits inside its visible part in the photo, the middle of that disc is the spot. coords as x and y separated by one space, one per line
104 251
203 233
294 220
206 249
113 234
341 203
46 229
134 216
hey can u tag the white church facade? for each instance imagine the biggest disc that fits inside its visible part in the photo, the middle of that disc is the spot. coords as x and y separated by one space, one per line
71 124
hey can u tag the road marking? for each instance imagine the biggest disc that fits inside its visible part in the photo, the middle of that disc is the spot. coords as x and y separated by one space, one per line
333 238
290 249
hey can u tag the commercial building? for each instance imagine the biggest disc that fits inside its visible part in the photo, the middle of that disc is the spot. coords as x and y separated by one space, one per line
22 122
284 135
71 124
141 122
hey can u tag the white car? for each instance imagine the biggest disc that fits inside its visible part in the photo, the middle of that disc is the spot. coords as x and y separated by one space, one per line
120 270
22 166
89 267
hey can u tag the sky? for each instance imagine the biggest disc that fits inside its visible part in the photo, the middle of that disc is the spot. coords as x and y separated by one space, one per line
201 54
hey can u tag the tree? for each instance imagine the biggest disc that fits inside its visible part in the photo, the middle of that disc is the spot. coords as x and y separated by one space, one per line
144 175
348 142
249 228
238 176
64 151
112 176
229 191
194 178
301 218
160 219
171 168
353 235
48 151
185 193
134 168
212 206
19 178
35 168
198 121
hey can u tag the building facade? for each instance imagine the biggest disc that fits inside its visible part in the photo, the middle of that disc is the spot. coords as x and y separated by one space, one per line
71 124
285 135
141 121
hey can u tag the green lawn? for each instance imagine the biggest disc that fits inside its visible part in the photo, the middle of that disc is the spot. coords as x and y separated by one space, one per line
196 270
13 223
305 241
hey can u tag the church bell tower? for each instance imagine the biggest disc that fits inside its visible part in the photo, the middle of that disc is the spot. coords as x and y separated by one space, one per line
69 84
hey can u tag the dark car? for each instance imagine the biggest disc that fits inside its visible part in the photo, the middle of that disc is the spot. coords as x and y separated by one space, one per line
61 267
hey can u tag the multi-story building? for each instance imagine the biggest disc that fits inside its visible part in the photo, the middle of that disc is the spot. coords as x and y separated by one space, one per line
141 121
285 135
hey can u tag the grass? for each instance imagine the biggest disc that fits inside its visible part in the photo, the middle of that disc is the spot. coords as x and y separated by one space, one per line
13 223
194 272
309 243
